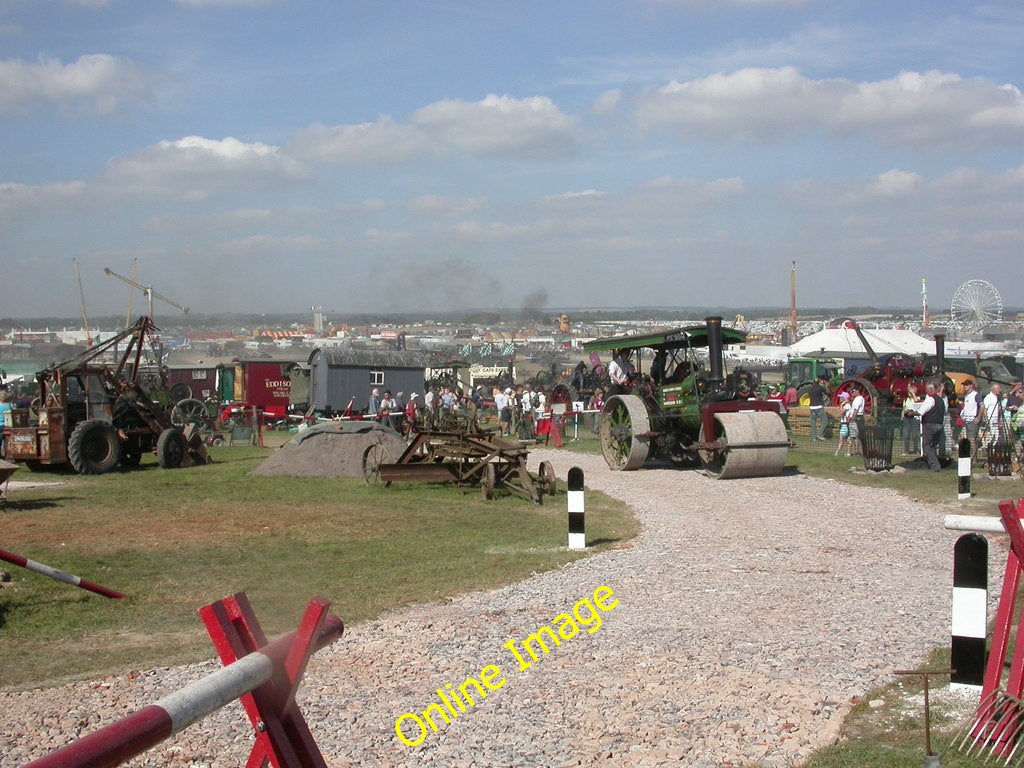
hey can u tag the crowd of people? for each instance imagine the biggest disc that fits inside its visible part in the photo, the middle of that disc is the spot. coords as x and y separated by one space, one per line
930 424
518 408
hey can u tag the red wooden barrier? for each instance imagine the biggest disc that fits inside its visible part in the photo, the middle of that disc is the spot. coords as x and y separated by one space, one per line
53 573
265 677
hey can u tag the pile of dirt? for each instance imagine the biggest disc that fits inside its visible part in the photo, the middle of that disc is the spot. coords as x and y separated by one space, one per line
332 449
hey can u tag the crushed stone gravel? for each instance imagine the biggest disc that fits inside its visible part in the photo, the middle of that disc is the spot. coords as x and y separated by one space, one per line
750 614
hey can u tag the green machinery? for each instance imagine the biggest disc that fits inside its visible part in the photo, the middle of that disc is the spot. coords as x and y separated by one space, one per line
685 408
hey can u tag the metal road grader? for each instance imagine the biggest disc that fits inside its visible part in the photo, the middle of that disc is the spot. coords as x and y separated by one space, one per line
691 413
94 415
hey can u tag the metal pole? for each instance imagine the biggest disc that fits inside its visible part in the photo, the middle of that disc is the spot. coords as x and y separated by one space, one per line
53 573
931 760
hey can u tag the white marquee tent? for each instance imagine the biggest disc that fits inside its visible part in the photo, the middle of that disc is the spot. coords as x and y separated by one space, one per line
843 342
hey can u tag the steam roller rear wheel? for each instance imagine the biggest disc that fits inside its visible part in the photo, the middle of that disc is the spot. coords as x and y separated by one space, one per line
742 434
624 426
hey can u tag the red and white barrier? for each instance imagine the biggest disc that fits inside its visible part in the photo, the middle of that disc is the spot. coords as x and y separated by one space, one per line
265 679
53 573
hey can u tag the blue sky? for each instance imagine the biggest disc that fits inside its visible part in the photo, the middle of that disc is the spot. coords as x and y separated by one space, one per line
273 155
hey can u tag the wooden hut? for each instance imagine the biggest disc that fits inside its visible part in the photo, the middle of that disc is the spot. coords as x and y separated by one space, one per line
338 377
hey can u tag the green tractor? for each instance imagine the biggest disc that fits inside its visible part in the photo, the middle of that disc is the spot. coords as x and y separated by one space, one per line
804 371
686 409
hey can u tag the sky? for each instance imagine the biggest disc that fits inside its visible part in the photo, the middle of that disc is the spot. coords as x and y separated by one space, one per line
403 155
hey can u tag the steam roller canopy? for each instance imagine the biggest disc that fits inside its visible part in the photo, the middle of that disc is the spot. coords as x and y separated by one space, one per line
756 445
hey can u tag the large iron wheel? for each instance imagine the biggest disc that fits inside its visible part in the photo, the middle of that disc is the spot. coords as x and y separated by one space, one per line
625 430
373 457
546 479
170 449
94 448
180 391
874 402
190 411
488 480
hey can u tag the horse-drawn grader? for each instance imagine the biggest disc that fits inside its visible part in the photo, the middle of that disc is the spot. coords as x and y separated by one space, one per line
685 408
95 415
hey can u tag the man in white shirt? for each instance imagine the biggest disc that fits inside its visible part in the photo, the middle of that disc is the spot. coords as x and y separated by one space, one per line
992 413
620 371
856 416
969 412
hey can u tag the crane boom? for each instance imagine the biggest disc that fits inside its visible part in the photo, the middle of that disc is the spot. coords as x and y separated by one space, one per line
148 290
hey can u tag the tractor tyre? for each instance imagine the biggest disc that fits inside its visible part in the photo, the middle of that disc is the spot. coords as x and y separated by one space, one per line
170 449
625 432
94 447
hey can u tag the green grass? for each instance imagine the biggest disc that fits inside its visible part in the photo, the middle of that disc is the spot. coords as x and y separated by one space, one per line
175 540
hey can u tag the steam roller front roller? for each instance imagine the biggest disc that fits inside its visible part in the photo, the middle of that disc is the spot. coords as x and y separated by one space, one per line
754 444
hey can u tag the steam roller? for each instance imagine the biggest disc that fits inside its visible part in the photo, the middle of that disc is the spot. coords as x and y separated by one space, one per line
685 407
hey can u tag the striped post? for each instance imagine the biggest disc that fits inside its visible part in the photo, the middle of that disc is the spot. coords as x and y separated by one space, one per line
963 469
970 611
53 573
271 674
576 504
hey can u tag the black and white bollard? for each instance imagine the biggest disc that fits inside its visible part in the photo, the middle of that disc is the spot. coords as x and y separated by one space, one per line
963 469
970 611
577 521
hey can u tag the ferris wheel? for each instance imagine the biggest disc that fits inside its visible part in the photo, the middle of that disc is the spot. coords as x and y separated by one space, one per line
976 304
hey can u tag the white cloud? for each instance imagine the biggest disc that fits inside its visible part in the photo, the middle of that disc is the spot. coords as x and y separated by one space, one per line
94 83
364 144
501 126
194 168
931 110
897 182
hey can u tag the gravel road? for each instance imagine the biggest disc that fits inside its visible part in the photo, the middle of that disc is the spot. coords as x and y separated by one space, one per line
748 614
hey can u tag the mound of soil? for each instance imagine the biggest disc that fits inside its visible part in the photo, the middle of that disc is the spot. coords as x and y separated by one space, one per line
333 449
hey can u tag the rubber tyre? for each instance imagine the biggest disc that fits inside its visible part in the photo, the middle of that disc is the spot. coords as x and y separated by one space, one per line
170 449
94 448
